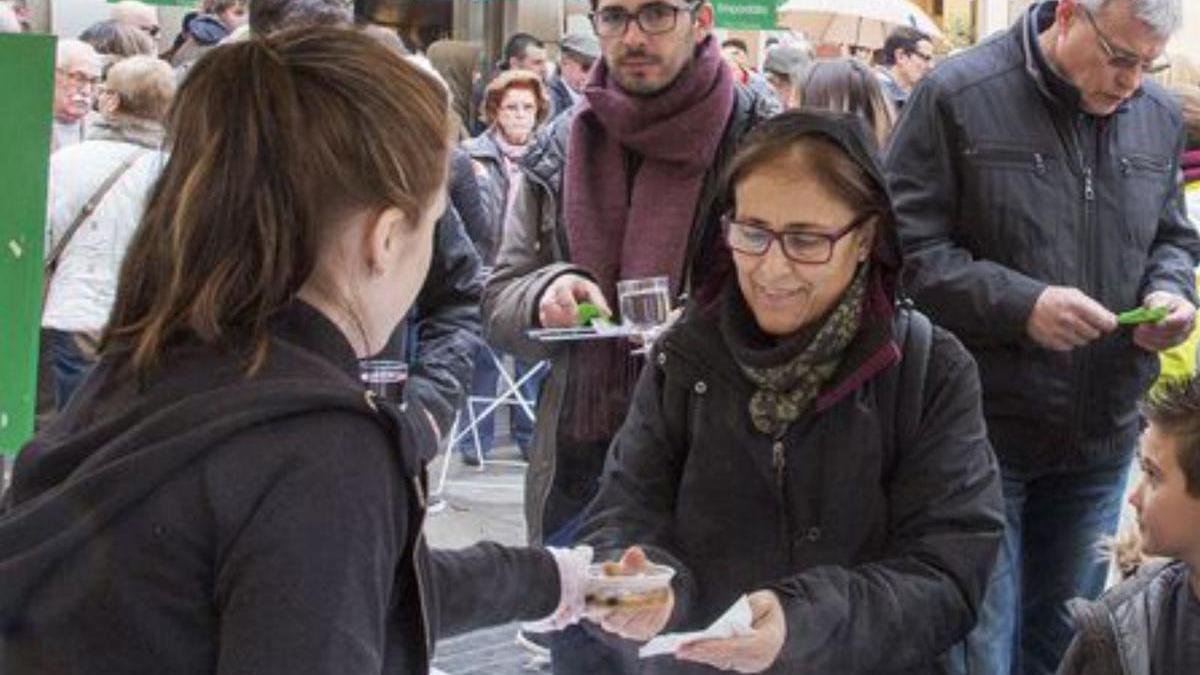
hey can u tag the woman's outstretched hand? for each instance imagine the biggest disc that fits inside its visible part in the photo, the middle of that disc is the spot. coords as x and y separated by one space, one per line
751 653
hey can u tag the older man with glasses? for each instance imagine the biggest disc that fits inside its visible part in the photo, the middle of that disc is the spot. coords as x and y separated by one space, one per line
1036 188
76 77
614 189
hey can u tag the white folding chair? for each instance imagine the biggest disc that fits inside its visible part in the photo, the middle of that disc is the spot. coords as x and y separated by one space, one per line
509 395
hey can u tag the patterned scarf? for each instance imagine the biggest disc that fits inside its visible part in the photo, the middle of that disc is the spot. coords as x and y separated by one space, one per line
789 375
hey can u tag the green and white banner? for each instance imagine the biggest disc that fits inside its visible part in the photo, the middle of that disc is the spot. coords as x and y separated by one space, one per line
745 14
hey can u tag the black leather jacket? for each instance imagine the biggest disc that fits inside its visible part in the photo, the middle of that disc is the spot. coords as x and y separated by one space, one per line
1002 187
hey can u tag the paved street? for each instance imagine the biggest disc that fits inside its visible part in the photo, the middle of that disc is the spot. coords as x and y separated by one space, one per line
481 505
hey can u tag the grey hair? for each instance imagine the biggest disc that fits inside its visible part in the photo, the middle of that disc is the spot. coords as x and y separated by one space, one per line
1164 17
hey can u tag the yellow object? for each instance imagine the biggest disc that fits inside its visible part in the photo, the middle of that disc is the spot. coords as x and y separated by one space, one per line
1179 362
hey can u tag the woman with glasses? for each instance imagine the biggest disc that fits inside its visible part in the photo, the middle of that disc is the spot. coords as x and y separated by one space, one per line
515 104
800 439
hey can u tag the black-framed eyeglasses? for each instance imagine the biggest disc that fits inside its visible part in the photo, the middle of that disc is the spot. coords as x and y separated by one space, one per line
654 18
927 58
798 245
1120 58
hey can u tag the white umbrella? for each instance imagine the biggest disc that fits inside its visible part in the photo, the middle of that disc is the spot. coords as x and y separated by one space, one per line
863 23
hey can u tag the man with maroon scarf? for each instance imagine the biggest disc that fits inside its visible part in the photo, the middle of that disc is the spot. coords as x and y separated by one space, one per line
621 188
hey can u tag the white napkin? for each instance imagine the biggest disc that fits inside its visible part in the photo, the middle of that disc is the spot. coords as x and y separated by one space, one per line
735 622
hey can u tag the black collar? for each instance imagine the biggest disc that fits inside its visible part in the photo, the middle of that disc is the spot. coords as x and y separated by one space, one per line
303 325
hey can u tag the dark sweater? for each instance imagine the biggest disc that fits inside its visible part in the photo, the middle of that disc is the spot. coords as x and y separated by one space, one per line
209 522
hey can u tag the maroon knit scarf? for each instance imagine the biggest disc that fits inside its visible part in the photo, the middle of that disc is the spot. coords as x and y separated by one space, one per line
1190 163
623 226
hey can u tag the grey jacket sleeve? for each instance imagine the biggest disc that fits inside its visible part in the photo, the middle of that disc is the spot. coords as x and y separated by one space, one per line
525 266
978 300
1176 247
447 324
946 520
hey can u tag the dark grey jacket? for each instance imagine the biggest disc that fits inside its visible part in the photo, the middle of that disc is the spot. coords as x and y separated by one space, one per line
209 522
1114 635
493 188
999 192
877 519
534 252
445 325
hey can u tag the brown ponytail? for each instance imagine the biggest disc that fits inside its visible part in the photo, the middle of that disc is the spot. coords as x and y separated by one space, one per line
272 141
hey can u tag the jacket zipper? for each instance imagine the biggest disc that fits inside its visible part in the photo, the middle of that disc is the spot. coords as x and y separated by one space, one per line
779 463
1081 361
418 549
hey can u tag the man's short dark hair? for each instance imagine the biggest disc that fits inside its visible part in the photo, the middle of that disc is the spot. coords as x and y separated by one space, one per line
905 38
736 43
517 44
1174 409
270 16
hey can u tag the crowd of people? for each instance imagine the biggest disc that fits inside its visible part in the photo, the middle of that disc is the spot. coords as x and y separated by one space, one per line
896 405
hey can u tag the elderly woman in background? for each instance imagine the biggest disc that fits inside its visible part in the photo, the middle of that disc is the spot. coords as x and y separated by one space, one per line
845 85
801 439
514 105
100 187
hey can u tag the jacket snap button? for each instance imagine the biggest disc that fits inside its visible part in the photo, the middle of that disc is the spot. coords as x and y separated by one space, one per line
662 358
814 533
701 387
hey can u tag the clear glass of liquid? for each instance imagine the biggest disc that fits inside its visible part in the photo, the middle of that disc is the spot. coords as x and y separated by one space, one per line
384 377
645 306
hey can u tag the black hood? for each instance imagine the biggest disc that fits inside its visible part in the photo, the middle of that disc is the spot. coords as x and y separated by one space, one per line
109 449
850 133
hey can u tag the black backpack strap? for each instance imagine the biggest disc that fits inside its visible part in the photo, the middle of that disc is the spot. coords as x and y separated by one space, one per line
903 390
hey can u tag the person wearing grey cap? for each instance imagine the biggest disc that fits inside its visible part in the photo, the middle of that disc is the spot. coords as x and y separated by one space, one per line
782 64
579 52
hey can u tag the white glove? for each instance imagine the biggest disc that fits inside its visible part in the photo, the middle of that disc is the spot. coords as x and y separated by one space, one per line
572 575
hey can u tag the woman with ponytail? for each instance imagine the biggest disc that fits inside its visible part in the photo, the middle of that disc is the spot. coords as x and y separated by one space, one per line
221 495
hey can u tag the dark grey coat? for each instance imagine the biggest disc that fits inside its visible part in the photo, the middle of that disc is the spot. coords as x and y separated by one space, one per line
1002 187
877 519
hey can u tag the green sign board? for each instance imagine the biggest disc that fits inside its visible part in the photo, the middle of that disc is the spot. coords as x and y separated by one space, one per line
27 75
745 14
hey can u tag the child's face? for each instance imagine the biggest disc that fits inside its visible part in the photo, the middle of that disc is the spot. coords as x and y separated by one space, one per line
1168 517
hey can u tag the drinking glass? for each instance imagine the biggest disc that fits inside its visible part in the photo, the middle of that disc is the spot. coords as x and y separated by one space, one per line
384 377
645 306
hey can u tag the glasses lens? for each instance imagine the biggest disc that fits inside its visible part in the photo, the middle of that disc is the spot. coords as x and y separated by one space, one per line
805 247
610 21
657 18
748 239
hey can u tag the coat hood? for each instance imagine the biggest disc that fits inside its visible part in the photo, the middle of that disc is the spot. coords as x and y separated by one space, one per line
849 133
110 449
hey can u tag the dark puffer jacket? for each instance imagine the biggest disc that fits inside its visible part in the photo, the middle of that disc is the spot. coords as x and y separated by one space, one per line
876 516
1002 187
